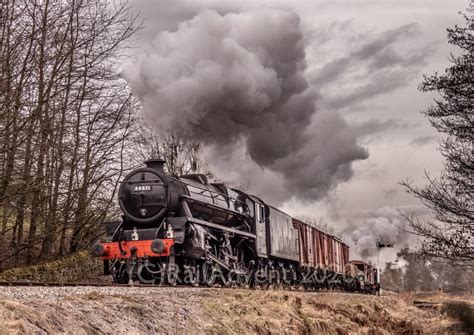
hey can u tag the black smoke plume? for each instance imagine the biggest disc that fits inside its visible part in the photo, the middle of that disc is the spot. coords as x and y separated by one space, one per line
236 83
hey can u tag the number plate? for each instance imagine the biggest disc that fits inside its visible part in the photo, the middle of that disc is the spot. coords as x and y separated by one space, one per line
142 188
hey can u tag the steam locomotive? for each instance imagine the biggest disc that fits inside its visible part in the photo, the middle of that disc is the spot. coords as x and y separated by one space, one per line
186 230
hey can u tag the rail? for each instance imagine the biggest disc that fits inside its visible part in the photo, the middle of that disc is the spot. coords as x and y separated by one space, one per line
280 287
77 284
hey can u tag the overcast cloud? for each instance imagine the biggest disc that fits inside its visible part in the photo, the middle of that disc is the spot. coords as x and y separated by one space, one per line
355 67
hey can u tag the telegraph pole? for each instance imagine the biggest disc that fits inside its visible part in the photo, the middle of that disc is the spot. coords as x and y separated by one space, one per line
380 245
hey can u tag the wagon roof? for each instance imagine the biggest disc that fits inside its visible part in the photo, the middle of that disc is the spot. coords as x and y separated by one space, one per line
359 262
337 238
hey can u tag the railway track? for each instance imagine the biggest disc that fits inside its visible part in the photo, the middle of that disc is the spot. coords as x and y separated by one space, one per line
92 284
95 284
74 284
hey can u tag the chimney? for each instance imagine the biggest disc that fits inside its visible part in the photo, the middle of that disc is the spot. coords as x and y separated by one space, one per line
156 164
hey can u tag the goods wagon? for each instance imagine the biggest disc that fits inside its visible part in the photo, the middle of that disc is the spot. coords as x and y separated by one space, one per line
320 250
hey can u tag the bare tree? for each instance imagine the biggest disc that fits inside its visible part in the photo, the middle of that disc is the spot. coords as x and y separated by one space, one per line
66 116
450 233
416 273
181 155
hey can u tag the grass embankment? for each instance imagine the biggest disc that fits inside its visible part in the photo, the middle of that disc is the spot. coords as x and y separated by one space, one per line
269 312
142 310
457 306
75 268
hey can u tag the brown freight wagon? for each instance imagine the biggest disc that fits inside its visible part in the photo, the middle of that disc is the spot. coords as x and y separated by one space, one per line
319 250
363 270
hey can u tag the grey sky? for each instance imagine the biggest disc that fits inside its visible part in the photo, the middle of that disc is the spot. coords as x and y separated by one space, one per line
365 59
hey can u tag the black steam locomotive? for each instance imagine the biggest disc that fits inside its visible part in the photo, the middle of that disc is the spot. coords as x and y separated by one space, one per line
187 230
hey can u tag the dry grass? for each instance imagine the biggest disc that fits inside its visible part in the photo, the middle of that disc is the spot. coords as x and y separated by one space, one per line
218 311
74 268
458 307
271 312
97 313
